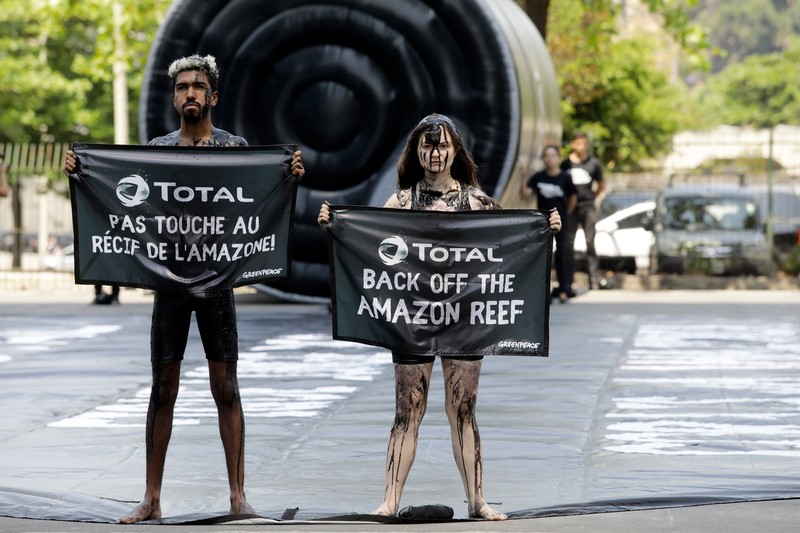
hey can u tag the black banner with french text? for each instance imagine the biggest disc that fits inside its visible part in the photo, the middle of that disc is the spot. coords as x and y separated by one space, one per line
441 283
182 219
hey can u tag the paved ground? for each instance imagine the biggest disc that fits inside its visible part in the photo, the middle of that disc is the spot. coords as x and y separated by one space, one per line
656 411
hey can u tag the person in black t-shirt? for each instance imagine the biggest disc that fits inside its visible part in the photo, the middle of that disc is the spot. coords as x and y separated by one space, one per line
587 175
554 189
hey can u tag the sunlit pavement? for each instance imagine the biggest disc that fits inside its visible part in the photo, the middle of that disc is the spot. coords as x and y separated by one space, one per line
658 402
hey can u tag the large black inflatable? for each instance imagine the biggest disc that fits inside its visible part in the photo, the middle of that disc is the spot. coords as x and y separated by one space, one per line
347 80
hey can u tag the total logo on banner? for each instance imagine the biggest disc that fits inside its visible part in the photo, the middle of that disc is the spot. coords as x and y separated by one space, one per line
394 250
133 190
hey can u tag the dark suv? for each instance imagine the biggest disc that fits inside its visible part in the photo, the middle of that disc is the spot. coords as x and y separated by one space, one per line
709 228
785 211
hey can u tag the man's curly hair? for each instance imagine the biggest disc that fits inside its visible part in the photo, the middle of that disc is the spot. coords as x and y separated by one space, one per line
207 64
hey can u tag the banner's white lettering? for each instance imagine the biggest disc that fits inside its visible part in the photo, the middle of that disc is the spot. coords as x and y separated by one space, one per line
126 223
495 312
189 194
421 313
418 311
400 281
442 254
262 272
494 283
157 250
222 251
251 227
190 225
114 244
443 283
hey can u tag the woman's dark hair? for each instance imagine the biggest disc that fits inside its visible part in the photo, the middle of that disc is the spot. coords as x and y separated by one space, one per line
553 146
409 169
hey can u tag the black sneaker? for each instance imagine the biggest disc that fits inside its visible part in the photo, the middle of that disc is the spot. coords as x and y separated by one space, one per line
103 299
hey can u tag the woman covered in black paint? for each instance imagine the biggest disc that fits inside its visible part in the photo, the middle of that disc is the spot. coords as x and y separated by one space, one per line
436 173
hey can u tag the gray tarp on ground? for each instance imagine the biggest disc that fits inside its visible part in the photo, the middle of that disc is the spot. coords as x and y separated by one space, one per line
637 406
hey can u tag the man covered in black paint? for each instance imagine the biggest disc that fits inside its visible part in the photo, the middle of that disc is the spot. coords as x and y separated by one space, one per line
194 94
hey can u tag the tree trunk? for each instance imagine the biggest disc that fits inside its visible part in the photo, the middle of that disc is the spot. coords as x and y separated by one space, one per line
537 11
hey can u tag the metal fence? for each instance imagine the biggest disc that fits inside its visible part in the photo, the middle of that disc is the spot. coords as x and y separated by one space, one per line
35 218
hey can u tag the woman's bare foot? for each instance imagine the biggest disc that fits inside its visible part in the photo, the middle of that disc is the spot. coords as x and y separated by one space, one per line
146 510
384 510
242 507
487 513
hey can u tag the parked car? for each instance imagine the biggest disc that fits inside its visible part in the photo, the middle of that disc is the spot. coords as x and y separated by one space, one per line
622 240
710 228
618 199
62 260
785 218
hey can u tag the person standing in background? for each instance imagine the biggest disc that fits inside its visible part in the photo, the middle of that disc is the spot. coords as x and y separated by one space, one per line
103 298
555 190
586 172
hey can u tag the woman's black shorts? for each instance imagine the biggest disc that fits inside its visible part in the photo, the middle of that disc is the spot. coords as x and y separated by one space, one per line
409 359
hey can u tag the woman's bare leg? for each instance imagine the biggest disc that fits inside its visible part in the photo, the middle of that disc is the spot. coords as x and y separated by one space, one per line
411 399
461 394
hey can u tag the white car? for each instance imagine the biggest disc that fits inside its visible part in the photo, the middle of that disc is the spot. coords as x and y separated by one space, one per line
621 240
60 261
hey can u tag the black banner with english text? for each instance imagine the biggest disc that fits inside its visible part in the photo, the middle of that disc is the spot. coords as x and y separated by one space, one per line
441 283
182 219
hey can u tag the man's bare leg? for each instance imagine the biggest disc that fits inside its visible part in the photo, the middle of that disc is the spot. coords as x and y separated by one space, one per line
461 393
225 390
164 392
411 399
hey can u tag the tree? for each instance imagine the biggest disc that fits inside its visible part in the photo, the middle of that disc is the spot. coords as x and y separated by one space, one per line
761 91
56 61
537 11
609 85
747 27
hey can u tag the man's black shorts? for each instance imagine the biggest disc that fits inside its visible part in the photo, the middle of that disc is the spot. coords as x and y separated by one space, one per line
216 321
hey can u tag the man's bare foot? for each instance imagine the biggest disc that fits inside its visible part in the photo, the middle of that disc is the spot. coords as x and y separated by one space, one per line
242 507
487 513
384 510
146 510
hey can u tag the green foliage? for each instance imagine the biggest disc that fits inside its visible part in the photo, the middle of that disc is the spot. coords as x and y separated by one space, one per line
611 87
56 57
747 27
692 36
761 91
638 114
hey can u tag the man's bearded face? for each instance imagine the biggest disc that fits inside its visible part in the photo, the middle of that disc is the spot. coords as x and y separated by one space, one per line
192 96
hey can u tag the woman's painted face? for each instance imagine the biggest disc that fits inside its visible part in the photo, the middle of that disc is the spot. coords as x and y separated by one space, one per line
436 151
